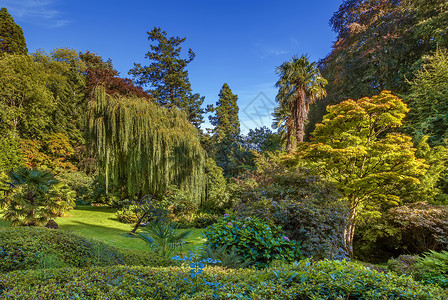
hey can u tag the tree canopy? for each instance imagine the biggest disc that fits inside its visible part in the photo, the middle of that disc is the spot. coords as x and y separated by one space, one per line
355 149
299 84
145 147
167 76
428 100
379 46
12 40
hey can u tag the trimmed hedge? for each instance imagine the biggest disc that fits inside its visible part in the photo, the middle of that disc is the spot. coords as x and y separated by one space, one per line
304 280
24 248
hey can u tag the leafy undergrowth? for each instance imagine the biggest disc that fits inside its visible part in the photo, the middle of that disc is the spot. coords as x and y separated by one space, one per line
304 280
24 248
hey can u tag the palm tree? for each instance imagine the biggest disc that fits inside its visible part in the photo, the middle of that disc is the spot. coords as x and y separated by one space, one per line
164 236
300 84
284 123
33 196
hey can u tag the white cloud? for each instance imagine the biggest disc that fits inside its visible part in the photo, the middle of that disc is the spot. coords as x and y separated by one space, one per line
38 12
263 51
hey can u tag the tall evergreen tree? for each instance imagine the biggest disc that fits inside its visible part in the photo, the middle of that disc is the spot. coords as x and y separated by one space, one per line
11 35
226 121
226 134
167 76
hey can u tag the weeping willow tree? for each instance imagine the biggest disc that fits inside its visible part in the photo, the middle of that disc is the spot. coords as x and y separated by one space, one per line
145 146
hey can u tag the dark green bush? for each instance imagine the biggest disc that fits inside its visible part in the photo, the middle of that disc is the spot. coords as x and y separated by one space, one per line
81 183
253 240
305 280
25 248
199 220
413 228
301 203
319 228
403 264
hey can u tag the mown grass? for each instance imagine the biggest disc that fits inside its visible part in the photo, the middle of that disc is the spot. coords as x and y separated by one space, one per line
101 223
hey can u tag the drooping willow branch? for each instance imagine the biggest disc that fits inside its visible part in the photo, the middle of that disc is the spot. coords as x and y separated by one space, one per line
144 145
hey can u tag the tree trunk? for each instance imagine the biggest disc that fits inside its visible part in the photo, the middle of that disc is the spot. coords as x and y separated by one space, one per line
349 232
288 139
300 115
137 225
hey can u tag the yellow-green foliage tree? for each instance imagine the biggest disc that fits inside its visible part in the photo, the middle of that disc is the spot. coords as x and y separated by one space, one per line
144 147
356 149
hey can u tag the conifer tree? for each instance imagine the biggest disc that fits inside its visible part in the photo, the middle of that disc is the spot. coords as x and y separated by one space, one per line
226 122
167 77
226 134
11 35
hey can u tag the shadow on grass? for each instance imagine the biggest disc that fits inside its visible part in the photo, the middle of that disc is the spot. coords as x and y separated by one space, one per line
105 209
93 228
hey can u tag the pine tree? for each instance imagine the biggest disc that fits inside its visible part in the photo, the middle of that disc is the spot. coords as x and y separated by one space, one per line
11 35
167 76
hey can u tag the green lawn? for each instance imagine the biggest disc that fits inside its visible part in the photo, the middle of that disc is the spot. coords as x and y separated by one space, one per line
101 223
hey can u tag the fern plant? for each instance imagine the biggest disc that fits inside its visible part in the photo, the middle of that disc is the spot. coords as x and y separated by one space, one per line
432 267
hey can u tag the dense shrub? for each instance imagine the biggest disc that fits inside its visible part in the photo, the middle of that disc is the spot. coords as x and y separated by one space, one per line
431 267
199 220
181 205
320 228
127 214
274 181
305 206
253 240
305 280
408 229
216 194
33 248
81 183
403 264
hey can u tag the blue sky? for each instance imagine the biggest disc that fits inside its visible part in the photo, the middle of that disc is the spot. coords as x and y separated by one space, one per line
236 42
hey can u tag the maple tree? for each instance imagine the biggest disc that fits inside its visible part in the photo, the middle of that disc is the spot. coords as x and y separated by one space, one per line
356 150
